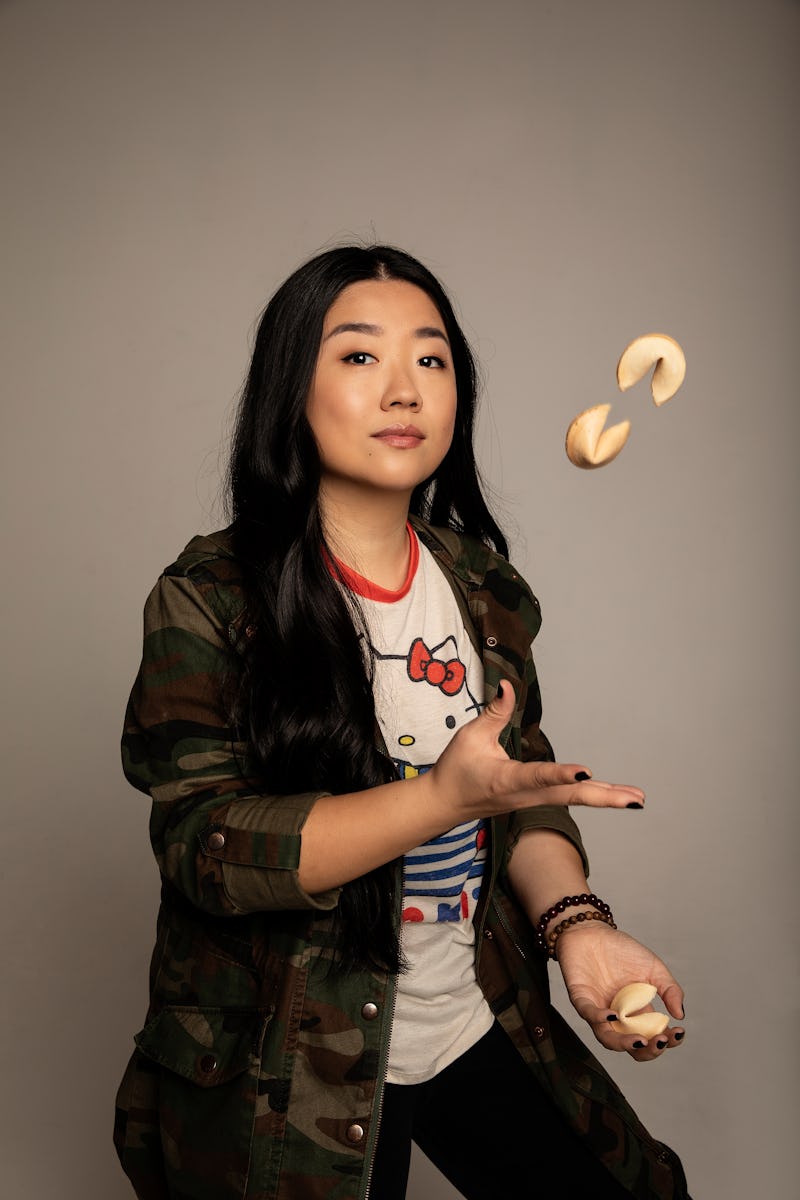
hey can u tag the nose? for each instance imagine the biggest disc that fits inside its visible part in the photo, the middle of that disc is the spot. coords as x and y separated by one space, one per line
401 392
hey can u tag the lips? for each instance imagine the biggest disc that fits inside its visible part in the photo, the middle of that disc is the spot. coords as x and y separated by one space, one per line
404 437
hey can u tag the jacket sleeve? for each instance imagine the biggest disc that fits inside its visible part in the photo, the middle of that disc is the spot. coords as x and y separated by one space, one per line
535 747
226 845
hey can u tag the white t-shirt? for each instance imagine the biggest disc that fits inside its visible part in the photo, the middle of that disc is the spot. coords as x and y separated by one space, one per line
428 683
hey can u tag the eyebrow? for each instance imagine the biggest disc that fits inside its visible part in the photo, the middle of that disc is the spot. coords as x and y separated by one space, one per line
425 331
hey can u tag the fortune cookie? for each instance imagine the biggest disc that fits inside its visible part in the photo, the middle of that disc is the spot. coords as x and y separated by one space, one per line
653 350
627 1005
589 444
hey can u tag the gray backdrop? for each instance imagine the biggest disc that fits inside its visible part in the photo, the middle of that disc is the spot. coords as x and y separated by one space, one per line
578 173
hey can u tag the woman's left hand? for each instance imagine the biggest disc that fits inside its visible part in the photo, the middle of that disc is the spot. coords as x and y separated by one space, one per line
596 961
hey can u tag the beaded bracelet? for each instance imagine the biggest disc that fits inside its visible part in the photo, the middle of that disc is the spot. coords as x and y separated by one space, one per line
575 920
566 902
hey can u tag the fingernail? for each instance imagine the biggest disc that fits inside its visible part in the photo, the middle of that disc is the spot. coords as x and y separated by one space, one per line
499 691
634 804
639 1045
582 776
679 1035
612 1017
661 1045
683 1012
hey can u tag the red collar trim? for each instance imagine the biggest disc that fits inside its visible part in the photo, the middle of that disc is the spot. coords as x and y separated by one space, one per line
372 591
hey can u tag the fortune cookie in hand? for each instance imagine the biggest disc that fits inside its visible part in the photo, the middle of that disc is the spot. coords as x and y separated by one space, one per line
627 1005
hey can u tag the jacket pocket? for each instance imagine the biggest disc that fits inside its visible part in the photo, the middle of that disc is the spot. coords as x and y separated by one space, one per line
207 1064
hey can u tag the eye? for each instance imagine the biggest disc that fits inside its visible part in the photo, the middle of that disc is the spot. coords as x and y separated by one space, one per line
359 358
450 722
432 361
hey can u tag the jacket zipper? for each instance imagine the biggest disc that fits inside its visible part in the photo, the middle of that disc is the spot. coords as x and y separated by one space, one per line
503 919
383 1066
381 1084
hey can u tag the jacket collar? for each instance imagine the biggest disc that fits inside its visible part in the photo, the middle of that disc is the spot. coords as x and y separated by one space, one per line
468 559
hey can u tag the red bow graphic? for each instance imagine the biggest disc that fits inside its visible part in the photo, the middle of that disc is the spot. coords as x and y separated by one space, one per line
448 675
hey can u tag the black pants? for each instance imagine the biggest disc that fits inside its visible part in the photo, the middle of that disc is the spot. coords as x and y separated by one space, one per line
487 1125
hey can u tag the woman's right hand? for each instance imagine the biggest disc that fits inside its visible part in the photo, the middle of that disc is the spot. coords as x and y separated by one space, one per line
474 777
347 835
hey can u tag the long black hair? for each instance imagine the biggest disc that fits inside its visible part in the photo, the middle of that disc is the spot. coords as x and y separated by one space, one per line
304 703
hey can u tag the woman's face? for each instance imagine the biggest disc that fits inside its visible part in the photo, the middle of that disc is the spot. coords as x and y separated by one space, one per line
382 402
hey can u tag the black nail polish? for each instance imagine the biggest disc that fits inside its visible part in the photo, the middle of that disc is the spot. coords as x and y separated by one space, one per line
680 1035
499 691
582 776
661 1045
613 1017
634 804
639 1045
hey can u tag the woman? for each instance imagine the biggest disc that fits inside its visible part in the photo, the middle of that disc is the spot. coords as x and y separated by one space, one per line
364 842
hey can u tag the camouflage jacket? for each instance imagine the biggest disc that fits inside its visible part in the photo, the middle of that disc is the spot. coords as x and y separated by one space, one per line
258 1074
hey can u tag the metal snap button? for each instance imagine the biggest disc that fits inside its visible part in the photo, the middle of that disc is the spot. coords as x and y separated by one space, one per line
208 1064
216 841
355 1133
369 1011
491 641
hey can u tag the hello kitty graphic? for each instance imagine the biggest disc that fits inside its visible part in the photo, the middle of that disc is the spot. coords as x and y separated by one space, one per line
425 696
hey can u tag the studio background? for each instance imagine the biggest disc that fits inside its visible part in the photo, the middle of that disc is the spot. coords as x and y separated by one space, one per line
578 173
